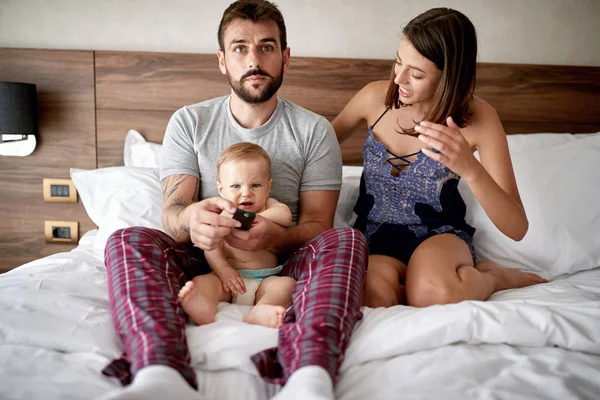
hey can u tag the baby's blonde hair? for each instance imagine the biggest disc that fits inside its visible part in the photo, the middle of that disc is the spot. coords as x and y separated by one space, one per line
243 151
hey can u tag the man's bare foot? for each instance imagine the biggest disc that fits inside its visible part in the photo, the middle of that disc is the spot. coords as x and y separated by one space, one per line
266 315
195 305
507 278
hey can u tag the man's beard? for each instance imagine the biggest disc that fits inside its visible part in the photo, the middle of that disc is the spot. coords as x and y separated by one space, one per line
272 86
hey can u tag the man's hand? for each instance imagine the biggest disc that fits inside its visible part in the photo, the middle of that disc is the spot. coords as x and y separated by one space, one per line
263 234
207 226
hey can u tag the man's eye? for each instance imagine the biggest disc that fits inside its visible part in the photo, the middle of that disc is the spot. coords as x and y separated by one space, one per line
239 49
267 47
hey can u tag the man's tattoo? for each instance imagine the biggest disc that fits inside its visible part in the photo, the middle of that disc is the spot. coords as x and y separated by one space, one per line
196 192
178 202
184 229
171 187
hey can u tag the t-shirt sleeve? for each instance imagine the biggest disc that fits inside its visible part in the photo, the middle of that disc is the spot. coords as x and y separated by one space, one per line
323 168
178 155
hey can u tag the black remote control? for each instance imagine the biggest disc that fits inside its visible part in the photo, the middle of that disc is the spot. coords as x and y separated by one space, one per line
245 217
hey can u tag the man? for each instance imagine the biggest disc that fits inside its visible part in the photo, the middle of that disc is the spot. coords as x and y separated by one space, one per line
147 268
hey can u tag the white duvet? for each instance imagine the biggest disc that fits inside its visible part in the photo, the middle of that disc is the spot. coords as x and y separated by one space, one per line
56 334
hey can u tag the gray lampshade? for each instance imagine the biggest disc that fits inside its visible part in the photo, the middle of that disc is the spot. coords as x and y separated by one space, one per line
18 109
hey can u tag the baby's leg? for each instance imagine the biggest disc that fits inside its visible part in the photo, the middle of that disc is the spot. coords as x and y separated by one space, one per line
199 298
273 296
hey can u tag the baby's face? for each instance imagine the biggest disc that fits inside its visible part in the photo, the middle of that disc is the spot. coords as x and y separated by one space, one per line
246 183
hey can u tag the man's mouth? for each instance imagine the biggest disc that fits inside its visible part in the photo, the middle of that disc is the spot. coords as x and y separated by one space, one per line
255 75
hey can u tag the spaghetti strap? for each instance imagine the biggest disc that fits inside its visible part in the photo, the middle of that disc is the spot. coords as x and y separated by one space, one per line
381 116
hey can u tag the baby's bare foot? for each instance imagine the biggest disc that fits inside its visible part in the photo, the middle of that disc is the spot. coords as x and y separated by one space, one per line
507 278
266 315
195 305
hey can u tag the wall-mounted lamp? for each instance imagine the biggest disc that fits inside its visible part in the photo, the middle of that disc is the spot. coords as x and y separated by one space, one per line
18 121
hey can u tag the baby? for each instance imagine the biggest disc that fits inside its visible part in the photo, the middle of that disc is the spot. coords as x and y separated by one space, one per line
243 277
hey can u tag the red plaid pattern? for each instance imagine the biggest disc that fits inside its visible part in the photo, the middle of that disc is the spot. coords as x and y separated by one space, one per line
330 271
146 269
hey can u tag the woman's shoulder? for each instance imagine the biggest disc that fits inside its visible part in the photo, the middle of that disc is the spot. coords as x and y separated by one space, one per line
485 123
370 99
481 110
373 92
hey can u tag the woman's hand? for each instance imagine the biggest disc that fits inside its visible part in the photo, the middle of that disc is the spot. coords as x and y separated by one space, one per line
454 150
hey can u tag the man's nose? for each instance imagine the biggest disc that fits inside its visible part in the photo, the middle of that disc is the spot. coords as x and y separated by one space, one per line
254 58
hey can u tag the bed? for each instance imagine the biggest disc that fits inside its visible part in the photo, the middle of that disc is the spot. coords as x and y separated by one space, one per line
56 331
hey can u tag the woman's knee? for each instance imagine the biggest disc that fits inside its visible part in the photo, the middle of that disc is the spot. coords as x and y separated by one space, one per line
424 292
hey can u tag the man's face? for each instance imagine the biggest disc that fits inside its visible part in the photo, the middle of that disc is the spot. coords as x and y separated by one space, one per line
253 60
246 183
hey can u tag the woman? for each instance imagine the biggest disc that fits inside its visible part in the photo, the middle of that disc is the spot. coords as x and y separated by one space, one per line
424 125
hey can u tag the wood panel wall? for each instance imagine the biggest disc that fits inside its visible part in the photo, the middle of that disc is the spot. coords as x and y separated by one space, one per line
142 90
66 138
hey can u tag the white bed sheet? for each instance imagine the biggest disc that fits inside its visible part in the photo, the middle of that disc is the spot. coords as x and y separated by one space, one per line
56 334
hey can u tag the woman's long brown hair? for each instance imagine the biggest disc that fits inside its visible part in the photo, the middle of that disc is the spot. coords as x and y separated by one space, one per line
447 38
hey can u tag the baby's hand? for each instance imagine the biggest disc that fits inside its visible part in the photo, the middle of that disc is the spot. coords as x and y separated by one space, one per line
232 281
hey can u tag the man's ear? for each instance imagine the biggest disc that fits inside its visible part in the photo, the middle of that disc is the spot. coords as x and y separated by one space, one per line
221 57
286 59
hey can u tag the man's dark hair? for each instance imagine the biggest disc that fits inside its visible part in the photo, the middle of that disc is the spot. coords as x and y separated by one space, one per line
253 10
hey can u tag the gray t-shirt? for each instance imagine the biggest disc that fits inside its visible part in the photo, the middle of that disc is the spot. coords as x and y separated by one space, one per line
304 151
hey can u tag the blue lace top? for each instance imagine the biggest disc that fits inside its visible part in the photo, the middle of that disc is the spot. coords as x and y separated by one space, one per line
423 198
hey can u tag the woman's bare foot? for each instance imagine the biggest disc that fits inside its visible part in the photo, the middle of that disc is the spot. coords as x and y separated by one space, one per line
266 315
507 278
195 305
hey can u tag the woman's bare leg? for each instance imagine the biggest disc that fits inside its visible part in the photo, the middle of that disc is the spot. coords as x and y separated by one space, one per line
441 271
383 285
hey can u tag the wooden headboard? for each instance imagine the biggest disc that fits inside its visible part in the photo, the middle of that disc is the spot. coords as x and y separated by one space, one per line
88 100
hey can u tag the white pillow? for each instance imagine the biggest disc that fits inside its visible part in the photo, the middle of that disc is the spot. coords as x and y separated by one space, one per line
119 197
560 190
344 213
137 152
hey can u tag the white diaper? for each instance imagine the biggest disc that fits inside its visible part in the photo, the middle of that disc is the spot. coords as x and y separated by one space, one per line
247 299
252 279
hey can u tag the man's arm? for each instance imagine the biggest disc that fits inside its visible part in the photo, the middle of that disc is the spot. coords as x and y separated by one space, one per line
179 191
186 220
316 213
317 209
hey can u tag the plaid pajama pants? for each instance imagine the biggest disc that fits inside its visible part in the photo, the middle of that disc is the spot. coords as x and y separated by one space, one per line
146 268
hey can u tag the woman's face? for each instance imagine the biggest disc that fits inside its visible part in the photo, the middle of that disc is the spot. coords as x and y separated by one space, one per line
416 76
